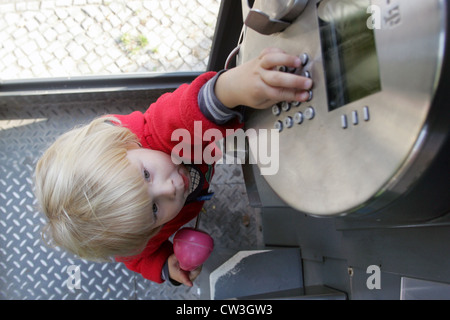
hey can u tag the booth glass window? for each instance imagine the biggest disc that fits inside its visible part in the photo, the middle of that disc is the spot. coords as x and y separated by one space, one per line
69 38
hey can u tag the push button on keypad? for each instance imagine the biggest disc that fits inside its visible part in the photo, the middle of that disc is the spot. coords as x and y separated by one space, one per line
286 107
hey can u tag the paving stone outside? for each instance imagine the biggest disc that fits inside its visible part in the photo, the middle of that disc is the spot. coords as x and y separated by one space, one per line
61 38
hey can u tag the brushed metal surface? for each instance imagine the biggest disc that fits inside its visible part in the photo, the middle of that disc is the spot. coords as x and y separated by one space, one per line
270 16
326 170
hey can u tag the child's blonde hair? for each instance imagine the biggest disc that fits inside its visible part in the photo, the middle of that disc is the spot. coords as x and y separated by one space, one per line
95 202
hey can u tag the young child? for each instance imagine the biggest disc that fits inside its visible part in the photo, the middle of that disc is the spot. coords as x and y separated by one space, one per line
111 190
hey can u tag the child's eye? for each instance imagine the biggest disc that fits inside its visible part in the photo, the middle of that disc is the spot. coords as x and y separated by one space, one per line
155 210
146 175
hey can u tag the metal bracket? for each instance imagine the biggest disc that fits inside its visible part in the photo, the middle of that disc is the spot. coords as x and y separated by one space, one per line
263 23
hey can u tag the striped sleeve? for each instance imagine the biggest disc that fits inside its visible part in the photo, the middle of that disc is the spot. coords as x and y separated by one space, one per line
211 106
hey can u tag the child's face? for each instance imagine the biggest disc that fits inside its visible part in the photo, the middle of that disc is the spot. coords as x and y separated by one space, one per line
167 183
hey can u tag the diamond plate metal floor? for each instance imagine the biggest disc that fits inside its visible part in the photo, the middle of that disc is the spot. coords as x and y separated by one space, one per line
30 270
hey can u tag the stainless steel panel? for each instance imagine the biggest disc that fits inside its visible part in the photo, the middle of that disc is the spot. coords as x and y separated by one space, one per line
326 170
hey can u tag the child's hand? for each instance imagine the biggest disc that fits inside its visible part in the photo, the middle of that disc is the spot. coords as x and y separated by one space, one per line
182 276
258 84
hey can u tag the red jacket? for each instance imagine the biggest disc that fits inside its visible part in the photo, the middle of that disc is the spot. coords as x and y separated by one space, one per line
154 130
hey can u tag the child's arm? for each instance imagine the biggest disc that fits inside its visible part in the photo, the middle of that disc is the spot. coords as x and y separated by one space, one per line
259 85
